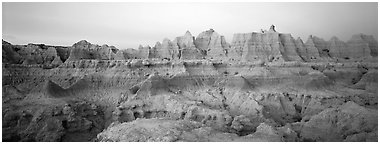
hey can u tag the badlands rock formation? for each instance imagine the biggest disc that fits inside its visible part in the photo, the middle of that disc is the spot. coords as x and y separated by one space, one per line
213 45
263 86
186 46
85 50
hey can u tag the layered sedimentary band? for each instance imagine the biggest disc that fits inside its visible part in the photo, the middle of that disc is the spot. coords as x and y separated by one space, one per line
263 86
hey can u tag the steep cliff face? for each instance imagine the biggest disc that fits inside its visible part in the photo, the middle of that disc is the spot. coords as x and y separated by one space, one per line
130 53
143 52
160 52
10 54
39 54
213 45
257 46
322 47
289 51
166 50
311 50
153 51
86 50
34 54
358 47
169 50
301 50
237 44
80 51
263 46
337 48
187 47
372 44
63 52
269 46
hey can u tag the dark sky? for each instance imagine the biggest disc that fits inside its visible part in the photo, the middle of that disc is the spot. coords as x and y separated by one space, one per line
126 25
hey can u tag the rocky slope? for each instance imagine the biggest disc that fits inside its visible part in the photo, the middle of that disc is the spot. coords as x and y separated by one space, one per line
263 86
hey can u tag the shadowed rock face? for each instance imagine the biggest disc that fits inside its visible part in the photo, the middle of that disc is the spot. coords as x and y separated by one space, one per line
34 54
263 87
10 54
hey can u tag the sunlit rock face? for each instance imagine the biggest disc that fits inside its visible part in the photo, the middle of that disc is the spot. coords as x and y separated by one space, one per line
85 50
263 86
267 46
186 47
213 45
289 50
257 46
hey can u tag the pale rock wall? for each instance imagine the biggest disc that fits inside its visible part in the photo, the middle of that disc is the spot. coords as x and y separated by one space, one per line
187 47
257 46
322 46
86 50
290 48
267 46
213 45
169 50
81 50
162 51
301 49
311 50
143 52
237 45
337 48
358 47
372 43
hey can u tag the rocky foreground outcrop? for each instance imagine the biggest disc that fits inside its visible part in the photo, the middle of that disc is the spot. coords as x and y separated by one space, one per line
264 86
